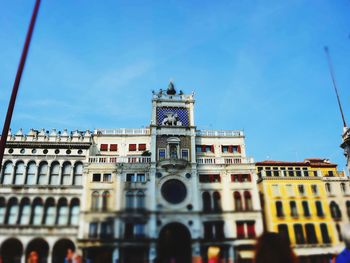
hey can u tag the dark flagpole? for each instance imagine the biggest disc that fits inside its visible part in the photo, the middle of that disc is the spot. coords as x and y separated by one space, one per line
22 62
334 83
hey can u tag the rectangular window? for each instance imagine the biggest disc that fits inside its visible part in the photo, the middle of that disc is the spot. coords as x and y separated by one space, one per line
246 177
161 154
293 209
184 154
132 147
314 189
140 178
139 230
106 230
276 190
240 229
268 171
104 147
93 230
330 173
209 178
130 178
283 231
96 177
142 147
235 177
290 190
107 178
129 231
219 230
315 173
319 209
113 147
299 234
198 148
306 172
290 171
224 149
301 189
298 172
251 229
275 171
208 231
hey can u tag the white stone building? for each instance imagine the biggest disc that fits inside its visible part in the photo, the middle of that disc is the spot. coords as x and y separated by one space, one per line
166 193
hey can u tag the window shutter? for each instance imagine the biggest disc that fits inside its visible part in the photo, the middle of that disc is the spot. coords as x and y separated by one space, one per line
104 147
239 148
251 229
132 147
240 229
230 149
113 147
203 149
142 147
212 148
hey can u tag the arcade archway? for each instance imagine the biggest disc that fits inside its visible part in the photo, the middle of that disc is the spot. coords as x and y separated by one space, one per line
11 251
40 248
60 250
174 244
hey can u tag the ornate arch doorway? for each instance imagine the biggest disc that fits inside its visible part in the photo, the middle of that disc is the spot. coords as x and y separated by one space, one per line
174 244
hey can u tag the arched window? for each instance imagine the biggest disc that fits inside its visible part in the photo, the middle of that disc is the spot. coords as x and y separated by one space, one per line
2 210
343 188
95 201
299 234
140 199
37 212
62 212
206 202
54 173
293 208
325 236
74 212
311 234
216 201
31 170
340 237
105 200
238 201
279 209
24 214
328 188
78 174
12 211
319 208
66 171
283 231
248 201
19 173
50 212
7 174
129 200
335 211
306 209
42 176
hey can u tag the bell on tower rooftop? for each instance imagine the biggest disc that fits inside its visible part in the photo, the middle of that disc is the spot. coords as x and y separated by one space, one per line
171 89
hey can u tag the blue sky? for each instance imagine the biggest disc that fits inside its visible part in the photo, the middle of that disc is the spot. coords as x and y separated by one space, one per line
254 65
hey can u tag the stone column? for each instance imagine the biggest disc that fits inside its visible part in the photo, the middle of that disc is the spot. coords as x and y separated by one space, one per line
196 253
231 254
116 255
152 253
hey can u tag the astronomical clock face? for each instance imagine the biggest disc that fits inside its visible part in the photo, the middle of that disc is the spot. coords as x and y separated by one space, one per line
172 116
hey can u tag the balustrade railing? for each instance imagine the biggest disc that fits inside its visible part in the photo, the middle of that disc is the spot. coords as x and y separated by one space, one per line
118 159
223 160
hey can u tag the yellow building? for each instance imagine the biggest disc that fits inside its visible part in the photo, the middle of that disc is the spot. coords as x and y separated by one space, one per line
295 204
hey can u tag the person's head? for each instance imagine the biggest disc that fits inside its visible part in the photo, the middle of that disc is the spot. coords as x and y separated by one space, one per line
346 235
273 248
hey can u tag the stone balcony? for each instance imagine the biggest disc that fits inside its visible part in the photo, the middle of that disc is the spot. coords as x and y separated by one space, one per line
173 163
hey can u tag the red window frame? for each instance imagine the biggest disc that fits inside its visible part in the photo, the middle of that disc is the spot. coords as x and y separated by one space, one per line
240 229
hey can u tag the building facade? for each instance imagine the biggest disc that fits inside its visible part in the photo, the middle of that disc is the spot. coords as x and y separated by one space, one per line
166 193
307 202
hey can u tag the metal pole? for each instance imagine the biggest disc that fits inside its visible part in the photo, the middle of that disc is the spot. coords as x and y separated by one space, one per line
334 83
12 102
